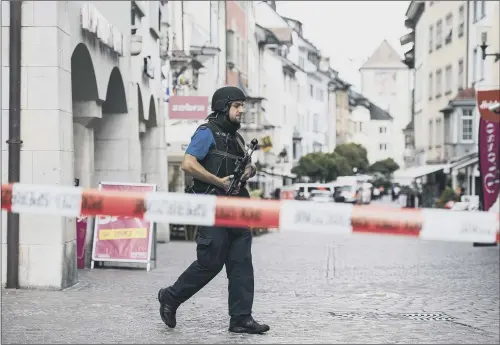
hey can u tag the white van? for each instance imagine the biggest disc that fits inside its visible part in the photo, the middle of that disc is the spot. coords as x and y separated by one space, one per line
347 189
303 190
351 189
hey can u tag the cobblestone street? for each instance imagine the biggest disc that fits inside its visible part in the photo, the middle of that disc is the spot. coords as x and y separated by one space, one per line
310 288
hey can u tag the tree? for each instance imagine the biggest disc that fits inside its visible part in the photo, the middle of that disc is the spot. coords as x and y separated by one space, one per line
336 166
322 167
310 166
386 167
355 154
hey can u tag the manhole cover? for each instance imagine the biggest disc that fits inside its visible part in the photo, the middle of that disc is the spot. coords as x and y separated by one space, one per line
345 315
429 317
349 315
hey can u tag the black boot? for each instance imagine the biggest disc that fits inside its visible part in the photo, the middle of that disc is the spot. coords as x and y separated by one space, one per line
167 309
247 325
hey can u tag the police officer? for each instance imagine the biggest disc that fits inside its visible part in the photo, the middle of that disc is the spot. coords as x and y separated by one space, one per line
211 158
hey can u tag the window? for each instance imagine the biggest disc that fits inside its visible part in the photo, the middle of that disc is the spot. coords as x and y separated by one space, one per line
439 81
237 56
311 90
230 49
438 132
467 124
408 141
483 8
448 80
430 86
358 126
316 123
382 130
431 38
298 121
382 147
461 21
249 117
431 135
321 95
439 34
449 29
284 114
460 80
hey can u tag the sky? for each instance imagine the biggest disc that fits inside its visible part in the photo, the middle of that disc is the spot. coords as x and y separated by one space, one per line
349 31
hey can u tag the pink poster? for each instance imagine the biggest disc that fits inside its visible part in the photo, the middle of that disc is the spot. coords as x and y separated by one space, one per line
123 238
81 232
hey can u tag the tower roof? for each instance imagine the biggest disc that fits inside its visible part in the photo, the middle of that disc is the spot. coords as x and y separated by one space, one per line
385 56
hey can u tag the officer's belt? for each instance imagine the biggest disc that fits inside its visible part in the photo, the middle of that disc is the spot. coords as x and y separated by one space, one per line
223 154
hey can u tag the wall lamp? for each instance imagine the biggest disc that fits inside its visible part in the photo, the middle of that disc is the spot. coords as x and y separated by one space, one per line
483 47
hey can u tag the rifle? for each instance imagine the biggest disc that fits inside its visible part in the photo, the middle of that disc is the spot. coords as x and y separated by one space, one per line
241 164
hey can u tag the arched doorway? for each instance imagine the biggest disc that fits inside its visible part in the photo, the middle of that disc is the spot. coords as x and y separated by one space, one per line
149 146
85 96
112 134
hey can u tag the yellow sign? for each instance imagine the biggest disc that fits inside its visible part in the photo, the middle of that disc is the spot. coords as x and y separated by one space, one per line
266 144
122 234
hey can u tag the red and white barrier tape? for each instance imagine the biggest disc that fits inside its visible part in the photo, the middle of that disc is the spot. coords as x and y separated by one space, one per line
178 208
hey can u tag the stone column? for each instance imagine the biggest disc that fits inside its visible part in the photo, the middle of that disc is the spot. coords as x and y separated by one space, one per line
155 163
47 243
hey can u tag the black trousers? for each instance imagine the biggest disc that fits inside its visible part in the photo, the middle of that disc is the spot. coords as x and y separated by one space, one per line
215 248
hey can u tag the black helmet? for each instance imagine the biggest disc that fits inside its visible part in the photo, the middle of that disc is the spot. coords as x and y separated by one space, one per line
224 96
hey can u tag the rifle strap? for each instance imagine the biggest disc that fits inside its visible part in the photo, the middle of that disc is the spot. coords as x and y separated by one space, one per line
240 141
223 154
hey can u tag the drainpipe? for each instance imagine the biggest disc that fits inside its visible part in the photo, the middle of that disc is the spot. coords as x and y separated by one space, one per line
14 141
467 44
225 35
182 24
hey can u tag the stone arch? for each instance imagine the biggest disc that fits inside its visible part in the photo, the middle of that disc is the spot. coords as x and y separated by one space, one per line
116 99
140 105
83 79
152 121
112 149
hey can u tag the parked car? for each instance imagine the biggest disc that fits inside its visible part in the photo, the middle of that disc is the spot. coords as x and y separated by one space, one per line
321 196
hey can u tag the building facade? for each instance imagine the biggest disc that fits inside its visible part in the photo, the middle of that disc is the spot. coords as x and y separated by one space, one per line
386 81
342 112
371 127
80 116
449 69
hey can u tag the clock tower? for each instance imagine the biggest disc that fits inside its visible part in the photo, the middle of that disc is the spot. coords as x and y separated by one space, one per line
386 82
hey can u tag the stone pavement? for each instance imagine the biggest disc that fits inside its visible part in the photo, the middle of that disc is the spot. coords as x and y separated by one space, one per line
310 287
